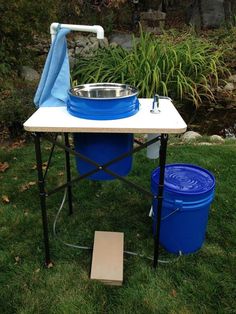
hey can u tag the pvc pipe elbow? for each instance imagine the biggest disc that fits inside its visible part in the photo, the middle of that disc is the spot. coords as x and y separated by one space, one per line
100 31
53 30
81 28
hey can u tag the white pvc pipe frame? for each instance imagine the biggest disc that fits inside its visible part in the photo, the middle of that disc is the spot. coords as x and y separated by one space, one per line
80 28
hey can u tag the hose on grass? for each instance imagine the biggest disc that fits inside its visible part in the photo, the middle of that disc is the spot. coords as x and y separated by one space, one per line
90 248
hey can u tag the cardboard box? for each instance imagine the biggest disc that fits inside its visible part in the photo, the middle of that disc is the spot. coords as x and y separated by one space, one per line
107 260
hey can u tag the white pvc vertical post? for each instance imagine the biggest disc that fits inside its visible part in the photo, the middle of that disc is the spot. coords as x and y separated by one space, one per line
153 150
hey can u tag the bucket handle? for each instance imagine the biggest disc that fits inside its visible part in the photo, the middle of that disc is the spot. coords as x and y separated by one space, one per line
178 204
170 214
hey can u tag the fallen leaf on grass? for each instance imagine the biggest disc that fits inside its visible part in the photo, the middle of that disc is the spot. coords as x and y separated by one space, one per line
17 144
17 259
6 94
4 166
48 148
44 166
5 199
26 186
140 139
50 265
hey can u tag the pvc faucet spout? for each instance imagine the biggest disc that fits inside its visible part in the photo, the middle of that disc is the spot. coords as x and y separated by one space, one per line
155 104
97 29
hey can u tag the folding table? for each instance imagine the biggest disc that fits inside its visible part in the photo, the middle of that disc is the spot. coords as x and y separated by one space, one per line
48 121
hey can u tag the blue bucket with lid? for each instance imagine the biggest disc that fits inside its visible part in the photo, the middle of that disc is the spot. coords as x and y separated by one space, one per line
188 193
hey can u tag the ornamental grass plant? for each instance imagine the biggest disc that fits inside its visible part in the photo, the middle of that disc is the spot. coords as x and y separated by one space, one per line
179 66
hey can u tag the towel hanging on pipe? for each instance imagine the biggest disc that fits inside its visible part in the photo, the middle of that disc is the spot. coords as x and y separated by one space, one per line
54 84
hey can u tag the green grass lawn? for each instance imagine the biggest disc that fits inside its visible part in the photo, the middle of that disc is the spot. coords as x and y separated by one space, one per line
203 282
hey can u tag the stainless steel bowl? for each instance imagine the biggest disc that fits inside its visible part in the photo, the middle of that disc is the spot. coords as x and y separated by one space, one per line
103 91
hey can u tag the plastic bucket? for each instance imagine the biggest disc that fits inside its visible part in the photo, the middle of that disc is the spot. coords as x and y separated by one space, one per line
101 148
188 194
103 101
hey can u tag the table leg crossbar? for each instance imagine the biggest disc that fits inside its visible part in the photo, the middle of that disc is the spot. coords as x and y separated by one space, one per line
103 167
50 158
41 180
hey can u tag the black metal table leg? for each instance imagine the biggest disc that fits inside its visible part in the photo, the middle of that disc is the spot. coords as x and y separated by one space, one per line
42 195
163 148
68 174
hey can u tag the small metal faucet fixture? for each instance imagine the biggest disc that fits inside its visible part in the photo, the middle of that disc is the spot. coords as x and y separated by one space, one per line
155 104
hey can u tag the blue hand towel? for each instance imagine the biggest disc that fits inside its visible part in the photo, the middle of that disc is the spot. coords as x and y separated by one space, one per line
55 80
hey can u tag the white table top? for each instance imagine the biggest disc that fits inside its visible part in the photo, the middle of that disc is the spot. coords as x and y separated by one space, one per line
57 119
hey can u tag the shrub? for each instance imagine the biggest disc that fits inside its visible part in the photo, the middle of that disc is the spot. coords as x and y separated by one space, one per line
16 105
20 20
225 39
186 68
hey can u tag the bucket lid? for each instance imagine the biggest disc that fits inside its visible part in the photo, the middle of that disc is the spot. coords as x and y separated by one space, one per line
186 179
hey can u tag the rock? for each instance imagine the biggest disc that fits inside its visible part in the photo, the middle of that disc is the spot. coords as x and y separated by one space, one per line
190 136
103 43
153 21
29 74
123 40
113 45
229 87
80 44
77 51
153 16
85 46
70 44
93 39
210 14
127 45
86 51
154 30
40 47
232 78
204 144
82 41
72 61
94 45
230 132
152 5
71 52
216 138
